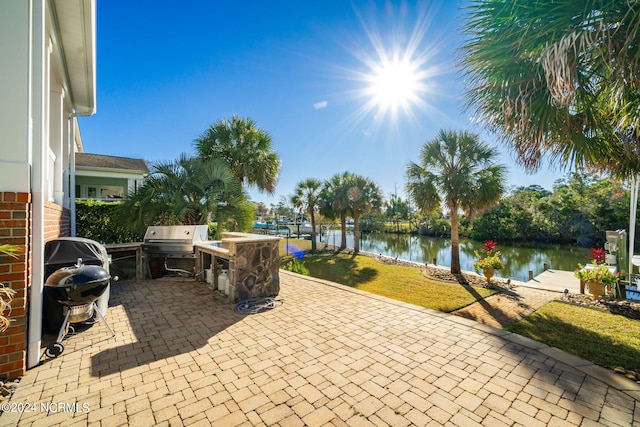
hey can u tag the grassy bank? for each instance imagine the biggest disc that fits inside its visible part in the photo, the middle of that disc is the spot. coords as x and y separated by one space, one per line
392 281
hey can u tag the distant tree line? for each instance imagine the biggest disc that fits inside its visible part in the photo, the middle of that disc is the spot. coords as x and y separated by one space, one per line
578 210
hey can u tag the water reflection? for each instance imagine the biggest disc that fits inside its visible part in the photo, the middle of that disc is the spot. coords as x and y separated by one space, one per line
519 259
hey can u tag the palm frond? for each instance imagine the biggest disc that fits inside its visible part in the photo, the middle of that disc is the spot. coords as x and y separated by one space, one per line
557 78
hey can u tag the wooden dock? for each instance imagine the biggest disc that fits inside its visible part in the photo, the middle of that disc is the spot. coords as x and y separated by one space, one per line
555 280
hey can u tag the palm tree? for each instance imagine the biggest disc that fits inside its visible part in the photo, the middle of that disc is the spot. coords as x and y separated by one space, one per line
246 149
559 78
334 202
186 191
458 170
363 196
306 195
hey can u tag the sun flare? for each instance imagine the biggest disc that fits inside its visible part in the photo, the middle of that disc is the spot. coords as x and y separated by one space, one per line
395 84
396 74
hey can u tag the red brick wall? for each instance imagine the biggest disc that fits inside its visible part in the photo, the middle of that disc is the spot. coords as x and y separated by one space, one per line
15 229
57 221
15 226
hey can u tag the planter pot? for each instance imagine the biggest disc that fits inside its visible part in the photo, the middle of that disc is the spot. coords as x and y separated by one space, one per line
597 289
488 273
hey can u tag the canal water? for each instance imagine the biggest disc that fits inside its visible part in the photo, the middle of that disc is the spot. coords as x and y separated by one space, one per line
519 259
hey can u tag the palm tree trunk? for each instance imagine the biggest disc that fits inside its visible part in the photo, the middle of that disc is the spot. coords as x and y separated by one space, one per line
313 231
356 233
455 240
343 228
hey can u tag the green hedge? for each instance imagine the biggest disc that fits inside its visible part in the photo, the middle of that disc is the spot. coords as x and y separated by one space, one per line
100 221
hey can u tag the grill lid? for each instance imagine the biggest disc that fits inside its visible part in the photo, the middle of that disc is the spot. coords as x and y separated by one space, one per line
65 251
176 234
174 241
77 285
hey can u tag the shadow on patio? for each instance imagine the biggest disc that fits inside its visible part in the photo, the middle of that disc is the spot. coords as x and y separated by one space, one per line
168 317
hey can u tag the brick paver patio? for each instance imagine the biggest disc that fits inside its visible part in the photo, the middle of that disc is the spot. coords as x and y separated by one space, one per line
329 355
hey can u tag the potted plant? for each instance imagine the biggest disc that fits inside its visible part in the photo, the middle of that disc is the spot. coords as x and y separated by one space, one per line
598 276
489 261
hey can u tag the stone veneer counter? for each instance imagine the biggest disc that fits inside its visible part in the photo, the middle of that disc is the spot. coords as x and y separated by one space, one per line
254 263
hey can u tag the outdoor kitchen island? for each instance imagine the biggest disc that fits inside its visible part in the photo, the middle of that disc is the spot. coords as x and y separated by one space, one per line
253 262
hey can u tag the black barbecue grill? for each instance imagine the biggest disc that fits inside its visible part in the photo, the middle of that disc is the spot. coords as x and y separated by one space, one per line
76 285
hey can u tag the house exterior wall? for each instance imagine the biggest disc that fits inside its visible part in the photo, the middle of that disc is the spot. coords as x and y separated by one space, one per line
16 179
15 227
94 177
88 187
14 85
39 139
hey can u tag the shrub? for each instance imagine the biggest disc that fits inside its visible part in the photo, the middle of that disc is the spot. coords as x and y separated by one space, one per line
102 222
296 266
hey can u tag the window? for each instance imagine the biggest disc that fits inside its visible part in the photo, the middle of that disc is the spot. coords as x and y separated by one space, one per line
101 192
111 192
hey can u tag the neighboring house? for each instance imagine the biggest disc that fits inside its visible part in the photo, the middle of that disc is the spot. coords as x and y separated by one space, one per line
47 64
102 177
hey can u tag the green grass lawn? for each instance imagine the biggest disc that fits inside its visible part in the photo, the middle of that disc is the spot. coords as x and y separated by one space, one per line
601 337
400 283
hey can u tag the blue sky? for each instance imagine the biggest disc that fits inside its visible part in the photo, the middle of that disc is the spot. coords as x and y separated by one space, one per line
305 71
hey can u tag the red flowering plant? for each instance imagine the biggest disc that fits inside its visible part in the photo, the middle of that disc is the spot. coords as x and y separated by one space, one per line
490 257
489 245
598 255
601 273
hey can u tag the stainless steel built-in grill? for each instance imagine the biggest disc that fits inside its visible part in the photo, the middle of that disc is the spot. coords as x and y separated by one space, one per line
174 241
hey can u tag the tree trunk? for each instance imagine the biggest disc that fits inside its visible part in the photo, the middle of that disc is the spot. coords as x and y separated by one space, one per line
313 231
343 227
356 233
455 241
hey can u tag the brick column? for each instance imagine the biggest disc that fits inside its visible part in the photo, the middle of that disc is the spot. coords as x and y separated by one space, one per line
15 229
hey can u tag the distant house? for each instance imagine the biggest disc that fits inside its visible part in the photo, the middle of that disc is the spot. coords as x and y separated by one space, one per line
48 69
101 177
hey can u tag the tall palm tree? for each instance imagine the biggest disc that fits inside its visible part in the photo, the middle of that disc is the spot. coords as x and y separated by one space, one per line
334 202
306 195
458 170
558 77
363 196
247 150
185 191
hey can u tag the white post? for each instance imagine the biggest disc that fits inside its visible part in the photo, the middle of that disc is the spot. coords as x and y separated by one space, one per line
73 123
39 109
633 207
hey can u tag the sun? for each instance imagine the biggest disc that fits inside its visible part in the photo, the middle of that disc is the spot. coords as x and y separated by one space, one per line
396 73
395 84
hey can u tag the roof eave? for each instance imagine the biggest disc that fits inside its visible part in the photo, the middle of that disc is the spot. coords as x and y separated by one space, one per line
114 170
76 22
